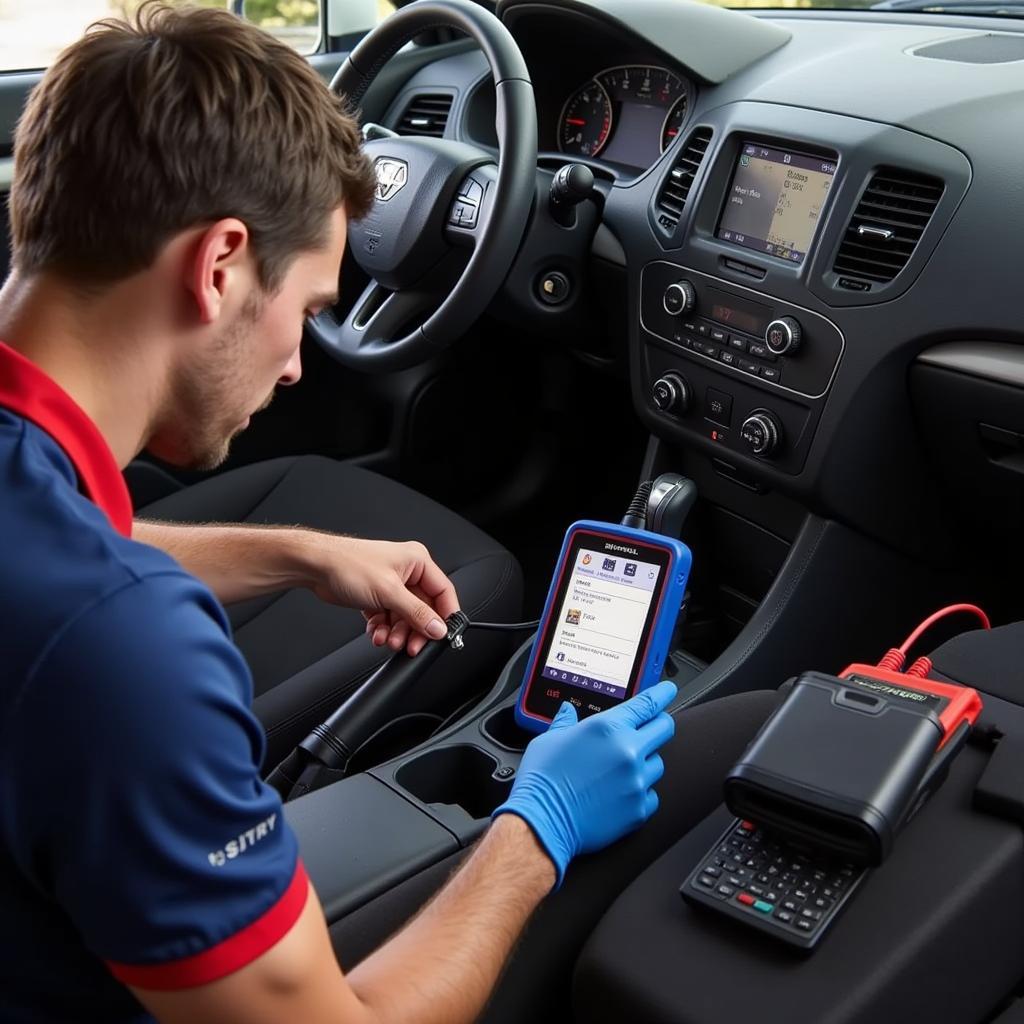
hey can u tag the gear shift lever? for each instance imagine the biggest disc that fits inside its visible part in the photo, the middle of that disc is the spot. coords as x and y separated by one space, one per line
671 498
668 504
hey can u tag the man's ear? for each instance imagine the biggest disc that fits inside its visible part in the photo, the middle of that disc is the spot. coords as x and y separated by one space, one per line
219 259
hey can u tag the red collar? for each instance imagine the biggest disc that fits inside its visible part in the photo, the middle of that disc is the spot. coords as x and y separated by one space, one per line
28 392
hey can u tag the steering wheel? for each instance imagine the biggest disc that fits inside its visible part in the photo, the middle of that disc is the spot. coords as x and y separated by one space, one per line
436 201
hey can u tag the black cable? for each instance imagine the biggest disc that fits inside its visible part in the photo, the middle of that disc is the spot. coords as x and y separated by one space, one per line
505 627
636 514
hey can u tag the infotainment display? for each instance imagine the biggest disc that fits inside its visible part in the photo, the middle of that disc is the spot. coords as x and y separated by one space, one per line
775 200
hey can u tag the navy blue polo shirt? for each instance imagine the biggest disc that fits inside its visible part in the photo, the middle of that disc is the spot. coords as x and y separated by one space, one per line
138 844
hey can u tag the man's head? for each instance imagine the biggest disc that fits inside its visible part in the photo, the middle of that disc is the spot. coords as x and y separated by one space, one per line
188 151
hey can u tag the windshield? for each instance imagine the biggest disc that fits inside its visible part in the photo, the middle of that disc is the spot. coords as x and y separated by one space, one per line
988 8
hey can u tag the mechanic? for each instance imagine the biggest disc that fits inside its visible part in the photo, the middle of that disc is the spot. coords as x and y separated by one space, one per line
145 868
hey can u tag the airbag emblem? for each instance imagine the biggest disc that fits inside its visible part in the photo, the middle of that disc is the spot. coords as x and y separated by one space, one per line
392 174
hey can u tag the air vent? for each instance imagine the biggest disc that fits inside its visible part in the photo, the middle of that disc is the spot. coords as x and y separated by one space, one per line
676 190
426 114
886 227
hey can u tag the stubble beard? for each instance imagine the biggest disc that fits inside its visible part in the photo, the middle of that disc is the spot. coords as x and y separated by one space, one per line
197 431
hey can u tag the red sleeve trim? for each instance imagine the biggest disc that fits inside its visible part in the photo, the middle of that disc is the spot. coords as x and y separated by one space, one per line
228 956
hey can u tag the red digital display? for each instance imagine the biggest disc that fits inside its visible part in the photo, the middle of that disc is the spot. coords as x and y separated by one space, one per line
736 318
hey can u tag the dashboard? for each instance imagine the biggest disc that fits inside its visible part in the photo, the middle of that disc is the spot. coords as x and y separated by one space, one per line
799 207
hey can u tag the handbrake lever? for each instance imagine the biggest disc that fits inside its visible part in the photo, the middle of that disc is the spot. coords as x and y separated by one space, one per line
323 756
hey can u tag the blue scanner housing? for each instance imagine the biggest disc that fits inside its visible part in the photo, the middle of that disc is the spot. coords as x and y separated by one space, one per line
535 707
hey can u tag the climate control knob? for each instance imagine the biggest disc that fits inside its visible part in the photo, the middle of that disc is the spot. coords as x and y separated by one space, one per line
783 336
679 298
671 394
761 433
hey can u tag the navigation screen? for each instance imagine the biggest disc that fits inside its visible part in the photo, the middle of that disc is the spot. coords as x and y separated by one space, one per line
600 624
775 201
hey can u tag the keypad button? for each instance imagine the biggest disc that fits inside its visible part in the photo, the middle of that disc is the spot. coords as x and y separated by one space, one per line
717 334
738 343
791 905
755 890
784 916
726 890
804 926
811 915
706 881
746 899
727 356
762 907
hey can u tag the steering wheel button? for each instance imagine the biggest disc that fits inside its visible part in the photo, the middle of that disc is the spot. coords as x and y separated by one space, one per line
472 192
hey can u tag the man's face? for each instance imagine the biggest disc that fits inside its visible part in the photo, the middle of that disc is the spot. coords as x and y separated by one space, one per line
212 397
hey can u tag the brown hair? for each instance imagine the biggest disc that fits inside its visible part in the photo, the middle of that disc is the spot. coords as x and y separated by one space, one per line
141 130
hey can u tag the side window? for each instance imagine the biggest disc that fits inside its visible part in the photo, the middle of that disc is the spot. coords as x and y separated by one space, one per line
295 22
32 33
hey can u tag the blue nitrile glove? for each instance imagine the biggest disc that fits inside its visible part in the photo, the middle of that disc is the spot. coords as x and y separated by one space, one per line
582 785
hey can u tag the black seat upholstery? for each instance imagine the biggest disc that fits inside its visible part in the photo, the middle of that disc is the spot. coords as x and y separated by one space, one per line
990 660
307 656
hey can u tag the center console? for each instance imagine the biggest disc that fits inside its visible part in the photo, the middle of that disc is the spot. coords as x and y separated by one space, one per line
770 231
733 365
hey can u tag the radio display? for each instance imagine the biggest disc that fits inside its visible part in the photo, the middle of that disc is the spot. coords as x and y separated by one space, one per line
775 200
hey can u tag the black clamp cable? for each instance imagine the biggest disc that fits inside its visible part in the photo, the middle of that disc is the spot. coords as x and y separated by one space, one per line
324 754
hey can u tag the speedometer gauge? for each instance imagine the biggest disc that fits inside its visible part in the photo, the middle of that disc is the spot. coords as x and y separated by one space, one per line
586 121
629 114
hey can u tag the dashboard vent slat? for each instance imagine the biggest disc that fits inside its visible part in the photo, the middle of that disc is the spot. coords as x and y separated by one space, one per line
426 114
887 224
676 189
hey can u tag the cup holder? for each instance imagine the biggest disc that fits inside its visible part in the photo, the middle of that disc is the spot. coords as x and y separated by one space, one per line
502 729
459 775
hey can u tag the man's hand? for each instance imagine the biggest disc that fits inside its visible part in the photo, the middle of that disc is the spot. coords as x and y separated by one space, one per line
582 785
401 592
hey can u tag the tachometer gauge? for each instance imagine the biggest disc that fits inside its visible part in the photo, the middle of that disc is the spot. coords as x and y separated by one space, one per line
674 121
586 121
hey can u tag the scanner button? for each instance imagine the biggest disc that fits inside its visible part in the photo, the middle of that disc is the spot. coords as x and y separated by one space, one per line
505 772
764 908
746 899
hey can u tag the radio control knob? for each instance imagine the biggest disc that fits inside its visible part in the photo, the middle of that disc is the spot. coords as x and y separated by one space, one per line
679 298
783 336
761 433
671 394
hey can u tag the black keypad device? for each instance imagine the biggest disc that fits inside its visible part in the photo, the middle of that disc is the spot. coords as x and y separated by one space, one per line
772 884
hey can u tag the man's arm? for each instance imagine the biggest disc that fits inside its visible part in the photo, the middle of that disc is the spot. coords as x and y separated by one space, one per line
402 593
439 969
580 786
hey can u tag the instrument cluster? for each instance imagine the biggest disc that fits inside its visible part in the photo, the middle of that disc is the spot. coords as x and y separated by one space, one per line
627 115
